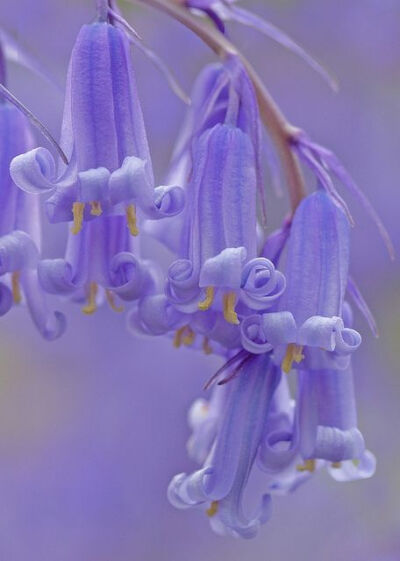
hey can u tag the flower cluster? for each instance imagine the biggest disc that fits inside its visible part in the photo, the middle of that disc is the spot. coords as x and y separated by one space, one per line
269 305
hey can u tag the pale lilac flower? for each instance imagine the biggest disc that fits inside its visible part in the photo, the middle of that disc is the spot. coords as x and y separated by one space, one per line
104 139
230 436
20 231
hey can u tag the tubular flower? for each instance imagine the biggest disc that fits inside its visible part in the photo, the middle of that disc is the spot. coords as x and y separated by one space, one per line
310 331
218 264
232 442
312 336
104 139
108 186
215 92
20 231
154 315
101 261
221 265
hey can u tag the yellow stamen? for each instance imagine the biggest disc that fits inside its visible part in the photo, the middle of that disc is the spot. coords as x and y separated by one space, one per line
110 296
356 463
229 303
336 465
208 300
177 342
188 336
206 346
95 208
91 306
294 353
77 211
131 219
212 511
309 465
15 287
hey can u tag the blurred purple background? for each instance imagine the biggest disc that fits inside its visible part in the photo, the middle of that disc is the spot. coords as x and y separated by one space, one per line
93 426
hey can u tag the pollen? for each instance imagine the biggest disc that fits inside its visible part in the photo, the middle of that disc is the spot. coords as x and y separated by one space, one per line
208 300
95 208
294 353
213 509
110 296
229 303
336 465
131 220
309 465
77 211
207 349
91 306
15 287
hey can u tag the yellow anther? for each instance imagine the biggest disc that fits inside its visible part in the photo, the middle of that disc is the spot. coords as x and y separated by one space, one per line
294 353
110 296
208 300
309 465
188 336
95 208
213 509
206 346
77 211
91 306
177 342
131 219
15 287
229 303
356 462
336 465
184 336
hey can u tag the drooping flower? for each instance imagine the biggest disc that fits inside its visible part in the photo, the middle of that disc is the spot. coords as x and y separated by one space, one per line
229 434
104 139
20 231
313 335
218 264
108 186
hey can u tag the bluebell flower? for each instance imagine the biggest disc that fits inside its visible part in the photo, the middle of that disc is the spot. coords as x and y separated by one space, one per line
154 315
221 249
108 186
218 264
104 139
102 261
230 439
20 231
312 333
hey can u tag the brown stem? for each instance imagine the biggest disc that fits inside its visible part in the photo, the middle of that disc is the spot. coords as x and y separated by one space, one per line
281 131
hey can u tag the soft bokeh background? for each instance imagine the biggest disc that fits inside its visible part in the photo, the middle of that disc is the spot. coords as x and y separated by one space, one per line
93 426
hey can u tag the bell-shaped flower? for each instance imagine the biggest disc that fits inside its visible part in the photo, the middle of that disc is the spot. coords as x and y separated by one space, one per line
103 260
310 327
20 231
236 435
219 264
104 139
154 315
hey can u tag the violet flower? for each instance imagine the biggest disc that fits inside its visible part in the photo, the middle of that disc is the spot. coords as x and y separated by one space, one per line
104 138
312 332
109 176
232 443
218 263
20 231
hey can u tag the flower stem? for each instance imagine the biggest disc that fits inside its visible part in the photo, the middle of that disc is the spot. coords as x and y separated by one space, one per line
102 9
281 131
